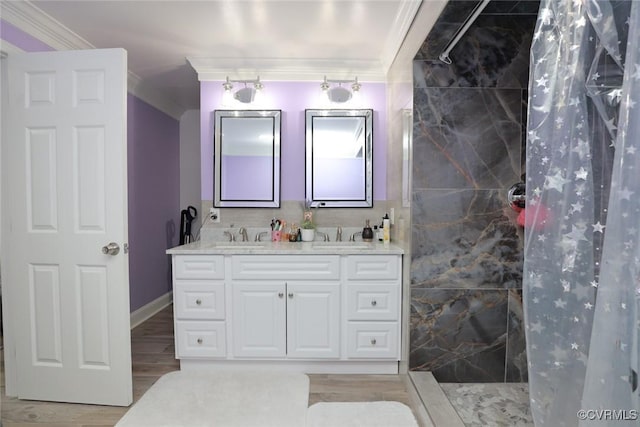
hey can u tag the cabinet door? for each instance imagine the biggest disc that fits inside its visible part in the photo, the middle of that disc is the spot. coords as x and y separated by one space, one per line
259 320
313 320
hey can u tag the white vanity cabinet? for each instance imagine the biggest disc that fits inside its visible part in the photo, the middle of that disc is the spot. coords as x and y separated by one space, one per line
199 306
286 306
373 306
290 319
314 313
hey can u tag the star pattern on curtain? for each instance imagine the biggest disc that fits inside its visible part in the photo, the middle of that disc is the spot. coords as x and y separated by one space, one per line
581 260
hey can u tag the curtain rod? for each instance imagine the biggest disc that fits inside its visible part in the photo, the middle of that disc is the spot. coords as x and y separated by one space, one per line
444 56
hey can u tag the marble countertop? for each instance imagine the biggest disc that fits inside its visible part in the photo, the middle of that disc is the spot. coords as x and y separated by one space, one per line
300 248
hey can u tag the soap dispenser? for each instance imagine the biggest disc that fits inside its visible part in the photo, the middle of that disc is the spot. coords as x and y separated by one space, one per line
386 229
367 233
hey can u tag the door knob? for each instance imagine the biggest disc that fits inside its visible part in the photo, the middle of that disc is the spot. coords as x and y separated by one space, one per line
111 249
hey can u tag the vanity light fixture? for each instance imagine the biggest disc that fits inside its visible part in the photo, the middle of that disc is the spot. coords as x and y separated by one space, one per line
340 94
246 94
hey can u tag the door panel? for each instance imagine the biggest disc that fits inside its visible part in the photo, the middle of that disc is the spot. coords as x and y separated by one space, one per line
313 320
259 320
93 322
41 176
65 153
44 287
89 180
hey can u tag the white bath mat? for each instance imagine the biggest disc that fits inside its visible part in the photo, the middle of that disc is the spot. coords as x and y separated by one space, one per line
222 399
360 414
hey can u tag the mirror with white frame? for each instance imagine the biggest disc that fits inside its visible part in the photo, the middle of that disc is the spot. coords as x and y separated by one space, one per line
339 158
247 158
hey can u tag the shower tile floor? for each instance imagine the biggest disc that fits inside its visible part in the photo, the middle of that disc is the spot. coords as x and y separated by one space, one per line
490 404
473 405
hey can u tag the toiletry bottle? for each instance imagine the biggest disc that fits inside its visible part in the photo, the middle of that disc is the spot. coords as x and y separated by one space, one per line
376 233
380 234
367 233
386 229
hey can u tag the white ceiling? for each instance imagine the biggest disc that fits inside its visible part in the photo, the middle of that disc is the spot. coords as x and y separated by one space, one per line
277 39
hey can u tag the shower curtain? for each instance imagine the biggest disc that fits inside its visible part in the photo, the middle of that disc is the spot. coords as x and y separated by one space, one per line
581 280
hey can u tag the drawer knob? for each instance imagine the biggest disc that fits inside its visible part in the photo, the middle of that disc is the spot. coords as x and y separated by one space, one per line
374 303
199 340
290 294
280 294
198 301
373 341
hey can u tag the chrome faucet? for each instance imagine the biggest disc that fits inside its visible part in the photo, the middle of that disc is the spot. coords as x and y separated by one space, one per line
243 233
353 236
232 237
339 234
325 236
260 234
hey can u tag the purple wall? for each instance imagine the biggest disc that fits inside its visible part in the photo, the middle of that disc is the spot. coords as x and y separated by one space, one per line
154 199
153 185
20 39
293 98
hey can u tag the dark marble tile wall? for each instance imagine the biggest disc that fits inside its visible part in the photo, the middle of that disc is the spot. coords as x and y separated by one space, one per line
462 238
468 149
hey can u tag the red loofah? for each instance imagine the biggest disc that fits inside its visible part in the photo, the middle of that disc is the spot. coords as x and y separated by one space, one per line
538 217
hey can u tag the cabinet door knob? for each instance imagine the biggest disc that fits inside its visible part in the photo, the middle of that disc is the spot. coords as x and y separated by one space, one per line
198 301
290 294
280 294
374 303
199 340
373 341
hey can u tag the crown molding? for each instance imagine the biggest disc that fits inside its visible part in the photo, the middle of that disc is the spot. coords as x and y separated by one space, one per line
153 97
293 69
34 21
424 20
402 23
6 49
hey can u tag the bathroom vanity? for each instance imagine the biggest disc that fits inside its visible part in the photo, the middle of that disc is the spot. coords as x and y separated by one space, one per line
315 307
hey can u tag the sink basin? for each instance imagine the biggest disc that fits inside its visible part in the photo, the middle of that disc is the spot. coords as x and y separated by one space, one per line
340 245
239 245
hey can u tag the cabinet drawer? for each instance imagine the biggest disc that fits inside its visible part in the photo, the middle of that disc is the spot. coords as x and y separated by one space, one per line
372 340
198 299
200 339
198 267
307 267
373 267
372 302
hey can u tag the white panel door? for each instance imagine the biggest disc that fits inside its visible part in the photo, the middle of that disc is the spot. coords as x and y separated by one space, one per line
66 158
259 319
313 320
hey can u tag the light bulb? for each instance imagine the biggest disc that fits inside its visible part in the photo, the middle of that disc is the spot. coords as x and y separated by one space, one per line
227 96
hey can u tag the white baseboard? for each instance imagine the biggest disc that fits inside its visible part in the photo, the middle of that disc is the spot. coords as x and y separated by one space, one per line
148 310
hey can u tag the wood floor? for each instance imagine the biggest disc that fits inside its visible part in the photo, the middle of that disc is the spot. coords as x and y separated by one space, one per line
153 356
